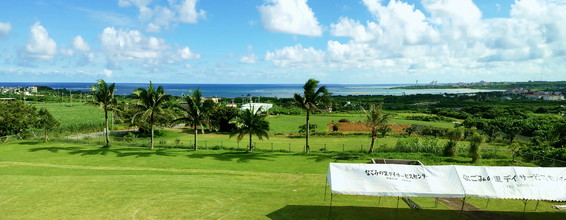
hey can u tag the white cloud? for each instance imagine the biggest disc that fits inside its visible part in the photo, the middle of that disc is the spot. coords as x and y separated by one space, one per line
347 27
79 44
454 39
5 28
123 45
107 72
188 13
249 59
67 52
186 53
289 16
39 45
296 55
159 17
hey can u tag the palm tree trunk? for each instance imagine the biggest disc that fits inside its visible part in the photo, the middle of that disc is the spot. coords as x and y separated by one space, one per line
106 132
373 137
251 146
307 147
151 139
196 144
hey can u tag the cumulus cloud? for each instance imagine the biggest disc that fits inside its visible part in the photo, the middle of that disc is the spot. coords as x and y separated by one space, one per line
289 16
39 46
130 45
296 55
161 17
347 27
107 73
249 59
451 37
79 44
186 53
5 28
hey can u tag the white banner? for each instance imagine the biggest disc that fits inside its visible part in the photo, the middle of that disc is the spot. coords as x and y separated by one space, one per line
534 183
394 180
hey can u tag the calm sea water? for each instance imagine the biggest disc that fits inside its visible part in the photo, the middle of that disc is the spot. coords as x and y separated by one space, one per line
241 90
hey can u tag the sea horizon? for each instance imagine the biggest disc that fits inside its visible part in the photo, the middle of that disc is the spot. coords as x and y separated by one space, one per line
225 90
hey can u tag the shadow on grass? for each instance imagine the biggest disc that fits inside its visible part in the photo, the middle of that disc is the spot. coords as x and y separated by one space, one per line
240 157
353 213
104 151
53 149
31 142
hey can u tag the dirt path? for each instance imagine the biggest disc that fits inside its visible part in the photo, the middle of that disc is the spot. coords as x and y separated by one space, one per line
473 212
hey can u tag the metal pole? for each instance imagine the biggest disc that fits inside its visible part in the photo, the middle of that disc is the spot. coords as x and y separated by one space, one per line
487 203
397 209
524 206
289 147
325 186
379 202
463 203
536 207
330 208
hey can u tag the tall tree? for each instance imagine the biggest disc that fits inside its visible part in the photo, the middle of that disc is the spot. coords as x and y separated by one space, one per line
375 121
454 136
196 113
251 122
475 142
313 100
103 95
16 117
151 106
46 121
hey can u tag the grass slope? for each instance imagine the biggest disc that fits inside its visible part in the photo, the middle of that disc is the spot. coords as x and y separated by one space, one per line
56 180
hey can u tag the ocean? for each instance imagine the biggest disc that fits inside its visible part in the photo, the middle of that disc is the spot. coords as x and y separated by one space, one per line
255 90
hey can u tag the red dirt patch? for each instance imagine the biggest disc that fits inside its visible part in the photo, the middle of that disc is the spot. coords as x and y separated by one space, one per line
360 126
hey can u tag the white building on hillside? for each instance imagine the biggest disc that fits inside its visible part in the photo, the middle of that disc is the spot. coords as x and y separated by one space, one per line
257 106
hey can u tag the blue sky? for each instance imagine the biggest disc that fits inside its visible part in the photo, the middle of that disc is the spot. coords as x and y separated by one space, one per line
282 41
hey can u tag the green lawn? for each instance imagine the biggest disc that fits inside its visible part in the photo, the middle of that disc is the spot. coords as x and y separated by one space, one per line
71 181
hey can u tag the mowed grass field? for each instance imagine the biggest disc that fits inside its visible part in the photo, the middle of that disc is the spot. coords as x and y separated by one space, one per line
77 117
69 181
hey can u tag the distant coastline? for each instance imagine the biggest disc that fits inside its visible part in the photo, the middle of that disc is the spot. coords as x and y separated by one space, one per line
257 90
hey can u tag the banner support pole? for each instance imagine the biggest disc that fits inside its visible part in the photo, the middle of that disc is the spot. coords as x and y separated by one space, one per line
330 208
463 203
325 189
397 209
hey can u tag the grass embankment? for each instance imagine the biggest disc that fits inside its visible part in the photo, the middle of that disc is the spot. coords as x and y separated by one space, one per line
56 180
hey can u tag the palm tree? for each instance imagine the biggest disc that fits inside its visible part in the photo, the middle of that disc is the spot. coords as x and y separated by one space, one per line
151 106
311 101
104 98
251 122
197 113
375 120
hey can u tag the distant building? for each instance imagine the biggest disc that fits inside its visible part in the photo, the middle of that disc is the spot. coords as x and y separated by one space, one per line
506 98
32 89
232 105
257 106
553 97
532 96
